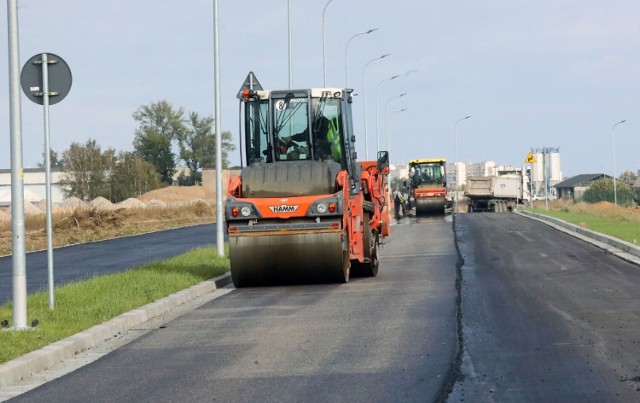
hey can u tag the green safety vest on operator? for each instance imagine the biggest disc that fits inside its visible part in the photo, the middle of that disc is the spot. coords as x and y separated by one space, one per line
333 136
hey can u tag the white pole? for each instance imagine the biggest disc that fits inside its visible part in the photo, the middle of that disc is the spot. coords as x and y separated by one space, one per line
289 34
47 166
455 164
324 63
364 95
377 118
389 150
18 257
216 74
546 178
613 138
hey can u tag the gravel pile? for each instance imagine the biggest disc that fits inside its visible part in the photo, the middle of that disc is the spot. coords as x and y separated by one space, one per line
156 203
73 203
131 203
100 203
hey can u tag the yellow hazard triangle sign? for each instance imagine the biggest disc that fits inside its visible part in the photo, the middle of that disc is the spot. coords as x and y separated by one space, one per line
530 159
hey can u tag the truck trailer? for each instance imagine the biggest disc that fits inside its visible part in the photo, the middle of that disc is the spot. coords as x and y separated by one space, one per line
495 193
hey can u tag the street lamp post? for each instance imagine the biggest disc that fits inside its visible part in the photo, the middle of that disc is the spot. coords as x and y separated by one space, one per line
377 117
387 114
389 139
289 47
346 55
364 95
613 138
218 130
455 185
324 64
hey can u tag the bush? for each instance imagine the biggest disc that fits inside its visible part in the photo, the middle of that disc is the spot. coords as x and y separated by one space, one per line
602 190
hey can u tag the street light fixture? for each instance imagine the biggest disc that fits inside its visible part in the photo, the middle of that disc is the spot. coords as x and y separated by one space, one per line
324 64
377 118
455 185
364 95
613 138
346 55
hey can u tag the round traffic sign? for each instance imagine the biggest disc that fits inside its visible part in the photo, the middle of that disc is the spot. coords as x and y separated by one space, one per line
59 78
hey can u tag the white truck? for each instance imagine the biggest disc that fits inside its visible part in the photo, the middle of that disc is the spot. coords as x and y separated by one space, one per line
495 193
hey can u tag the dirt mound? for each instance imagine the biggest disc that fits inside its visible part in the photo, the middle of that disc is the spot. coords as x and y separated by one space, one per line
4 215
30 208
171 194
605 207
155 203
73 203
100 203
90 220
131 203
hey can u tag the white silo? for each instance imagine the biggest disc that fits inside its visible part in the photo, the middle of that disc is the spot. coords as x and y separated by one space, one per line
556 172
547 166
538 171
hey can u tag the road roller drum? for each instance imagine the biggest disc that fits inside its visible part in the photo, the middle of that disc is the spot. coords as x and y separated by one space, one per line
300 258
430 206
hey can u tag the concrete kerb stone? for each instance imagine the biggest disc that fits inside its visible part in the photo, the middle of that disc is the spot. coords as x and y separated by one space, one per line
623 249
19 368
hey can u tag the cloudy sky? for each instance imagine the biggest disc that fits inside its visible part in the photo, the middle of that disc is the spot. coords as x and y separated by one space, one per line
546 73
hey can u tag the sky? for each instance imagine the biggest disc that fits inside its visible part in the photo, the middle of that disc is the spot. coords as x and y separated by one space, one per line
549 73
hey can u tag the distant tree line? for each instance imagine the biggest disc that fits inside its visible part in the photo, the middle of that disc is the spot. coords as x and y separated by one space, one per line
90 172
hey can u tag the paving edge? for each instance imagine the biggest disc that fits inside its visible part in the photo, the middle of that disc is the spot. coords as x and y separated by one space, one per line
19 368
623 249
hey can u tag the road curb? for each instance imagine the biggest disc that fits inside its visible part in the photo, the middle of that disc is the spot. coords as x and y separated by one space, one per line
625 250
19 368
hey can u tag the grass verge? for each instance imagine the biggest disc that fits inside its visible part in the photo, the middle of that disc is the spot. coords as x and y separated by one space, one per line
617 226
84 304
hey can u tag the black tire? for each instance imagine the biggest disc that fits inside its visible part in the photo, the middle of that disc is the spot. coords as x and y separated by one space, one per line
370 239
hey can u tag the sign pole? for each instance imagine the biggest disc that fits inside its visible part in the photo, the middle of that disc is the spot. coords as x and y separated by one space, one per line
531 185
47 165
38 75
530 159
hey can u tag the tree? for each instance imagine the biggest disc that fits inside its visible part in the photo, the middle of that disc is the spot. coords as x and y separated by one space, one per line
198 147
627 177
85 170
55 159
602 190
132 176
159 124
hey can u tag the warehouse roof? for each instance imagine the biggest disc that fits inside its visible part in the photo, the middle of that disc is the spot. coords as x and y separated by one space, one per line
580 180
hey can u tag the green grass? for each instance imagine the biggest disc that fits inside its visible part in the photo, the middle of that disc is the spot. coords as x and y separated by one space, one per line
81 305
616 226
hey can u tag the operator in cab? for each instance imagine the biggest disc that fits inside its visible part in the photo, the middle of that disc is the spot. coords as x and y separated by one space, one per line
326 134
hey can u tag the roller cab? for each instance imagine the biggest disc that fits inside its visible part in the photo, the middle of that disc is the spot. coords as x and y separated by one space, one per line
297 213
429 185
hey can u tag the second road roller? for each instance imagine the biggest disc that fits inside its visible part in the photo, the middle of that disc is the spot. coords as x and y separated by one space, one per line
428 178
303 210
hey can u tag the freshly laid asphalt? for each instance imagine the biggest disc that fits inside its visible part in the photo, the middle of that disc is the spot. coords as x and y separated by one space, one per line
81 261
537 368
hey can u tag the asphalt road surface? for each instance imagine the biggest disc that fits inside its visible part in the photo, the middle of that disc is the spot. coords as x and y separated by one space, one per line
387 338
546 317
85 260
536 315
